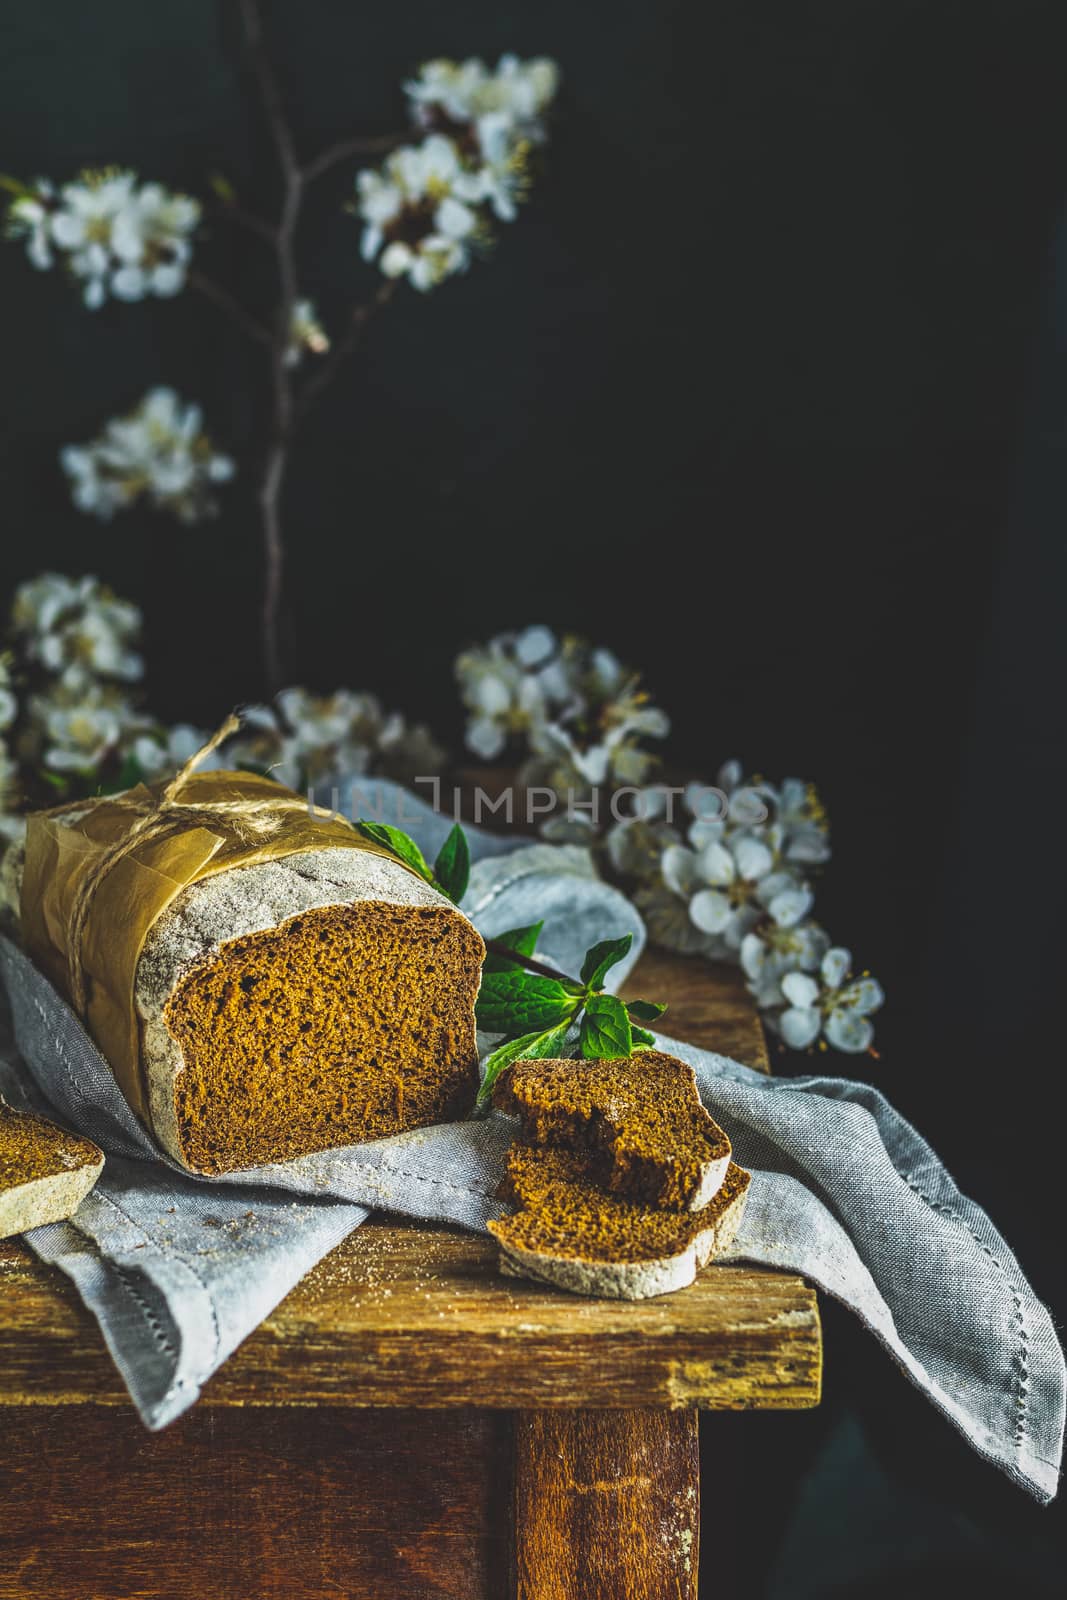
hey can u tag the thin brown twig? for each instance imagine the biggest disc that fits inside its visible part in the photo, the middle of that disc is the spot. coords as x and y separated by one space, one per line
288 406
276 461
348 149
530 963
232 307
342 348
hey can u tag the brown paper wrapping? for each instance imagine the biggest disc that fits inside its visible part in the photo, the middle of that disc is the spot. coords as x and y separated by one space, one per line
140 887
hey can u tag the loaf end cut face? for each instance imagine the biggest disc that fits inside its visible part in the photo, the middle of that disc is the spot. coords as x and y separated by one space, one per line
341 1024
45 1172
569 1232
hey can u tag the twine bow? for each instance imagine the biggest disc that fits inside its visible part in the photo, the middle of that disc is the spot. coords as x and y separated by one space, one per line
250 820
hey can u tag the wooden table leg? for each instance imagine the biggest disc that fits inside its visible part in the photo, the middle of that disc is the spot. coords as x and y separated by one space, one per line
607 1505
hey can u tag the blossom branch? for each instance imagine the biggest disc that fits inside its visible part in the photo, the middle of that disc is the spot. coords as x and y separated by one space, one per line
232 307
423 211
277 456
348 150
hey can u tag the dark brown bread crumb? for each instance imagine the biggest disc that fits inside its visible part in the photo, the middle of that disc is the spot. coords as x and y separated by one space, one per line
564 1212
342 1024
31 1147
640 1118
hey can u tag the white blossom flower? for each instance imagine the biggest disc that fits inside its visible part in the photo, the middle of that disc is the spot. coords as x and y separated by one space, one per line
29 217
306 334
152 240
80 730
802 817
504 699
158 451
113 235
467 92
76 627
422 207
773 950
831 1005
732 881
426 263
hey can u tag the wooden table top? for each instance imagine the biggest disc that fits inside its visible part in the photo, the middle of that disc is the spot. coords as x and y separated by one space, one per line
405 1315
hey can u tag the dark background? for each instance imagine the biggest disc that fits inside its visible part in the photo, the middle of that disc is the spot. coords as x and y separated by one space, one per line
768 391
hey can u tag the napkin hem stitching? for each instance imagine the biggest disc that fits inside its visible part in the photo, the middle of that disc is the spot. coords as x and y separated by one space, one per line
1021 1360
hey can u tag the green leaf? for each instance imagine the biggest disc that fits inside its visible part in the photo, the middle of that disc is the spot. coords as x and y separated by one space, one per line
548 1044
452 869
606 1030
646 1010
602 957
643 1040
398 843
511 1002
14 186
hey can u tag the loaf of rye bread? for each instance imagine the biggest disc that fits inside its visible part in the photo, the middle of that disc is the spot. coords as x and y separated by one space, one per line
45 1172
300 1003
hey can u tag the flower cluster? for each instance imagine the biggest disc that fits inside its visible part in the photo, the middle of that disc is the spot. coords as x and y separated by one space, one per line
114 235
301 739
157 452
72 722
76 630
431 203
75 661
579 711
731 881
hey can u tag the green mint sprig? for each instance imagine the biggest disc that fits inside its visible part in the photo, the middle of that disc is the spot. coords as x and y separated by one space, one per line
543 1013
546 1015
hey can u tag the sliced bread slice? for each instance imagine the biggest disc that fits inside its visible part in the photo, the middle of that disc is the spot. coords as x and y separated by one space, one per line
45 1172
639 1117
569 1232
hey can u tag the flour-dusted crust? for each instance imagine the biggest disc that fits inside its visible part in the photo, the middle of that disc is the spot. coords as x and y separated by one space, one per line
212 915
45 1172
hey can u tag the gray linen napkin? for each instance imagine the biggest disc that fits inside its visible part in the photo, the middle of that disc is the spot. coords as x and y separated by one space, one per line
179 1270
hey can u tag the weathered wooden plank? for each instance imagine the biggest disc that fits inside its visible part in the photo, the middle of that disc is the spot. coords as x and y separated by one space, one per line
255 1505
411 1316
607 1504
